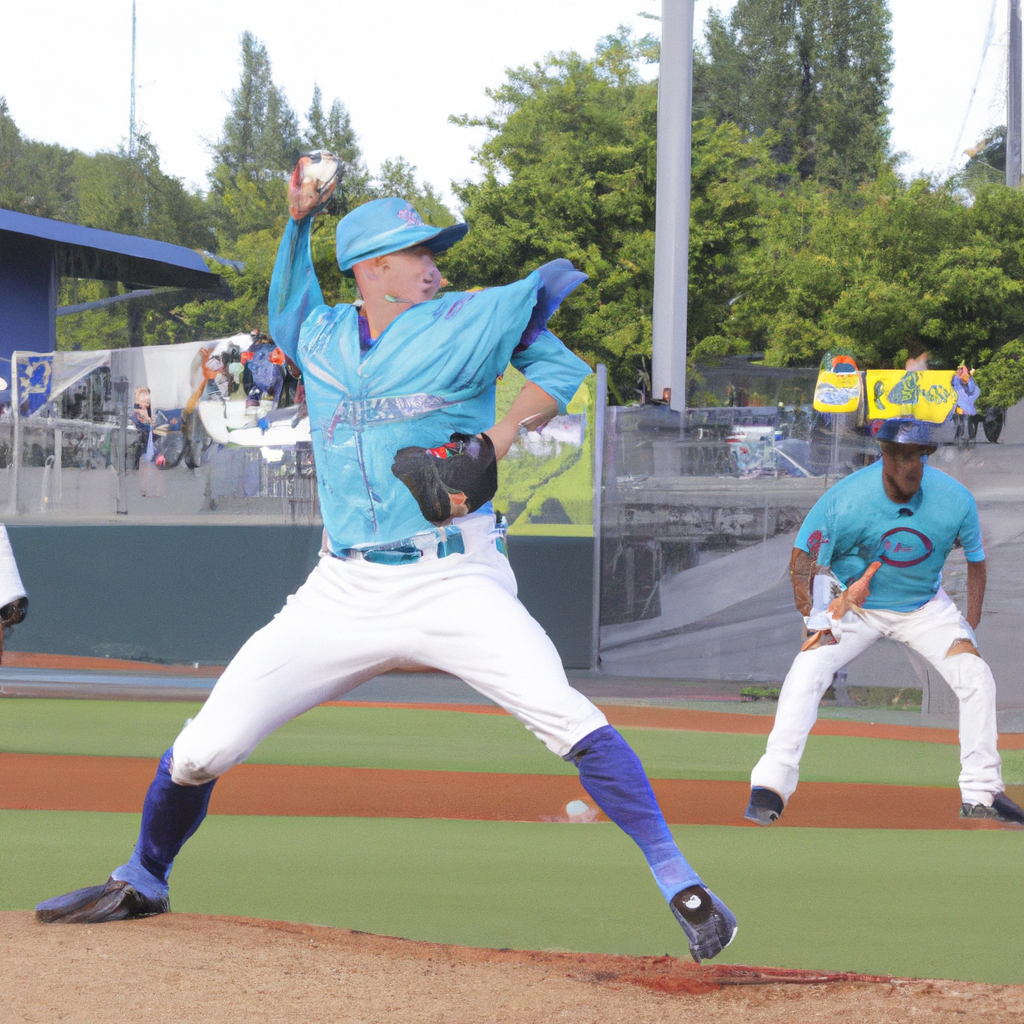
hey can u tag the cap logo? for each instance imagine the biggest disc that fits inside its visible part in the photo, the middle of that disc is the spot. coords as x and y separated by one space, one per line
411 217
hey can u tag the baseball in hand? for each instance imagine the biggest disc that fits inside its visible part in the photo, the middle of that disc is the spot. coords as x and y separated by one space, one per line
313 182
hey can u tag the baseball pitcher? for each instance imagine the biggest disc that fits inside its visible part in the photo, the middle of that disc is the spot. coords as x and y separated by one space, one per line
401 399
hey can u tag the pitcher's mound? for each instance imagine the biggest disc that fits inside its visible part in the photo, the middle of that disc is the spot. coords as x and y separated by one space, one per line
182 968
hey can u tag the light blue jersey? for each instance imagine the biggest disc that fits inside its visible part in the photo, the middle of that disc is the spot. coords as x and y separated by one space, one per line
430 373
854 523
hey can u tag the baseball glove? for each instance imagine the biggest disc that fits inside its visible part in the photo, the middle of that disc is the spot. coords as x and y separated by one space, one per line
462 472
313 182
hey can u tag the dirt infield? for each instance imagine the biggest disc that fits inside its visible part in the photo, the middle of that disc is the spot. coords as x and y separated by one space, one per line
186 968
78 783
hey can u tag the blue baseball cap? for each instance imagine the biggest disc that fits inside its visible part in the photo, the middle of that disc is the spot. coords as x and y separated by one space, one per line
384 226
902 431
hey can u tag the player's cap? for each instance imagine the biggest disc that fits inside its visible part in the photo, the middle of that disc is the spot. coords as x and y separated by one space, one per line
902 431
388 225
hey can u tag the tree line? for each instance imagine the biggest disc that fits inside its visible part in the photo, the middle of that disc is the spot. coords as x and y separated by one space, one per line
805 237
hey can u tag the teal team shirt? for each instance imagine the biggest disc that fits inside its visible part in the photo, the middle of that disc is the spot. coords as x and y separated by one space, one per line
854 523
431 373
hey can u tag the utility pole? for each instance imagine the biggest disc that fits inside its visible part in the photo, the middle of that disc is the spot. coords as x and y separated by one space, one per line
131 116
1013 99
672 216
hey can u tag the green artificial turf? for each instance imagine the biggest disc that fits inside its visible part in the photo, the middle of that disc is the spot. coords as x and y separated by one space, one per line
907 903
456 741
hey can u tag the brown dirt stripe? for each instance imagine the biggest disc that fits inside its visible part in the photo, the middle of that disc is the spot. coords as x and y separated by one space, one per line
75 783
629 716
687 720
73 663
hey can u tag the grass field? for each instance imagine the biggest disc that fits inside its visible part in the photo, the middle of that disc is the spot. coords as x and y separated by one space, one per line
914 903
880 902
456 741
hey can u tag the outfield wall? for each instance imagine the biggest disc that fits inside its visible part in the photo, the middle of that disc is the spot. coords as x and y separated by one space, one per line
183 594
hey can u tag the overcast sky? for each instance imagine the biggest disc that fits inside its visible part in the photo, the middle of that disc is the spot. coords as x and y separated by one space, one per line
401 67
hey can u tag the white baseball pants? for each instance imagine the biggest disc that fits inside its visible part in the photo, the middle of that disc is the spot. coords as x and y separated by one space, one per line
352 620
931 630
11 587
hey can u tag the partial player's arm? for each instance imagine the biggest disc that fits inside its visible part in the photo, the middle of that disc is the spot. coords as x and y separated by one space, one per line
802 567
855 594
970 539
531 408
294 288
540 356
977 579
458 477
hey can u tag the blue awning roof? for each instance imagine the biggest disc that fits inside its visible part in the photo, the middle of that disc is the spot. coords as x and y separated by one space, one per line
108 256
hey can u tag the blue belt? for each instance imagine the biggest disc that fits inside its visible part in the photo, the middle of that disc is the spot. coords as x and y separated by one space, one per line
447 540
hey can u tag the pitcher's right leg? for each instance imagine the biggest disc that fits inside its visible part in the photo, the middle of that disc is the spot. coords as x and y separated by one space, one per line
310 652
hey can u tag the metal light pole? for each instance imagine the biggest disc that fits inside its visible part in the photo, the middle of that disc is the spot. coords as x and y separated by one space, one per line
672 219
1013 99
131 116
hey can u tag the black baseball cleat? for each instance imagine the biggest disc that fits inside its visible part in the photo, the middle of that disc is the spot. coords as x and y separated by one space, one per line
113 901
1002 809
709 924
765 806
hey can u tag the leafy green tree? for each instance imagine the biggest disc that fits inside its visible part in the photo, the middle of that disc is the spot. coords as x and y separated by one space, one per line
258 146
814 72
986 161
260 138
398 178
569 171
133 196
913 267
333 131
35 178
1002 379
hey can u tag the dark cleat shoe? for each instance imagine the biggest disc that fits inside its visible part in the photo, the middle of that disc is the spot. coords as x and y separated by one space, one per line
1002 809
114 901
765 806
709 924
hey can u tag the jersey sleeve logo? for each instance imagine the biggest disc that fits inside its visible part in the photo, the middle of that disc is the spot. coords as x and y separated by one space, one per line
904 547
814 542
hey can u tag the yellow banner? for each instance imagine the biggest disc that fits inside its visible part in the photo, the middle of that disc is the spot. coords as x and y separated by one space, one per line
926 395
837 392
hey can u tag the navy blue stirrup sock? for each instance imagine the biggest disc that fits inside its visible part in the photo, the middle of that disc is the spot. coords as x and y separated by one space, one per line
170 815
612 774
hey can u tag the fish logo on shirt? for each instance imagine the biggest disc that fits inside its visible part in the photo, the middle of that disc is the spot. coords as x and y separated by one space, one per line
904 547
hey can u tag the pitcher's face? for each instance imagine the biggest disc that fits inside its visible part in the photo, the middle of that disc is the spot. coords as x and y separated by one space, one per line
410 275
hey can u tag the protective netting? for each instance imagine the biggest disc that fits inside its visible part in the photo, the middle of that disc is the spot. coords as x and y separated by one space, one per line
699 515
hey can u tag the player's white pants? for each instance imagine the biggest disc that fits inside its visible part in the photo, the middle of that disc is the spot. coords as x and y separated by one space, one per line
931 630
11 587
352 620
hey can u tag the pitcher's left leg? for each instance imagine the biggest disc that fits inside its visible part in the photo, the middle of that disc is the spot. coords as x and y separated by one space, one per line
504 653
